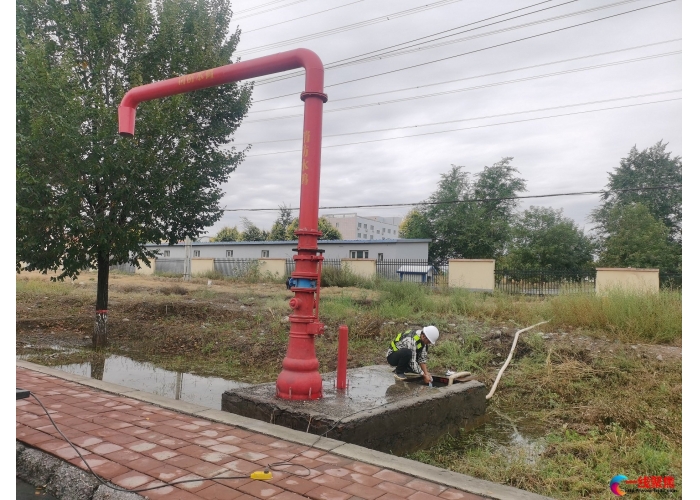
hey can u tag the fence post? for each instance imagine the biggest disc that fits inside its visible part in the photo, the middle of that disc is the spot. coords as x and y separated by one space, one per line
342 371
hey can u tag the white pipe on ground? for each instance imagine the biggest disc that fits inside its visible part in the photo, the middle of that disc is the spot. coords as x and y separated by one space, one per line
510 355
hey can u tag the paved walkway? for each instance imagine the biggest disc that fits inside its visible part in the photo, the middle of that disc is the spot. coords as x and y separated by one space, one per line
136 444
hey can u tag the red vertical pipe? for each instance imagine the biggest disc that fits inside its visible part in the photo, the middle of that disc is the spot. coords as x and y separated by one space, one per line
342 357
299 378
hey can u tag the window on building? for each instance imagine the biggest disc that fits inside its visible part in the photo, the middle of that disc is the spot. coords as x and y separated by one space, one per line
359 225
336 225
380 257
166 253
229 253
371 236
383 230
371 228
394 231
364 236
377 231
196 253
264 253
359 235
359 254
365 226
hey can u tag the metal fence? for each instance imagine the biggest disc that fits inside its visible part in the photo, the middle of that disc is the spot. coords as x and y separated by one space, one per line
670 281
545 281
235 267
124 268
170 266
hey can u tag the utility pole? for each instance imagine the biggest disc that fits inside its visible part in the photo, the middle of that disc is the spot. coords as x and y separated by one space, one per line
188 259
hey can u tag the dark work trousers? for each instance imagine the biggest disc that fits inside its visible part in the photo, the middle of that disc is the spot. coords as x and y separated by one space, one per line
401 360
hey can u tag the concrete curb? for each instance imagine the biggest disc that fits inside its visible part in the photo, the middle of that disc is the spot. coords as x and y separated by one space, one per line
61 479
346 450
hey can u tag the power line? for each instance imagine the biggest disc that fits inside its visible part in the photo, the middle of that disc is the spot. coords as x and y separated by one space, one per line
409 49
470 77
500 44
490 47
445 82
264 11
303 17
479 126
477 87
472 200
347 27
358 58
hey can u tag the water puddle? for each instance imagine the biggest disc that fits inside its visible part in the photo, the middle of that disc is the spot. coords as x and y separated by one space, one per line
516 439
204 391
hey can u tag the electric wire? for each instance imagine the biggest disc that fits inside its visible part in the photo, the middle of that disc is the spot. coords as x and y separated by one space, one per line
412 48
303 17
471 128
385 53
466 89
347 27
294 2
472 200
470 77
118 488
378 52
522 68
474 118
495 46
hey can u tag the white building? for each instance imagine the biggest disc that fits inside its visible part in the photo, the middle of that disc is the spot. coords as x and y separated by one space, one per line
356 227
336 249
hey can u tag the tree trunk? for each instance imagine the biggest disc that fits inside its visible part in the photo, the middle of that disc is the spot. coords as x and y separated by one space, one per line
97 366
99 335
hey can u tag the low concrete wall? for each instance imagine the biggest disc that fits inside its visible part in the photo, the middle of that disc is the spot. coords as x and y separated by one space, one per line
411 416
628 279
472 274
275 267
201 266
367 268
145 269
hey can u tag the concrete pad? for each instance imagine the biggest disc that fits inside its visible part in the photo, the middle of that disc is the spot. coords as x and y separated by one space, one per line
375 410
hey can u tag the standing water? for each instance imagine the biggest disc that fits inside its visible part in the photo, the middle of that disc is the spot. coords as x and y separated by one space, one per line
204 391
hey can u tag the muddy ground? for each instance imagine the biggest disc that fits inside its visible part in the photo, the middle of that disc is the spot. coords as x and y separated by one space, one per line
165 320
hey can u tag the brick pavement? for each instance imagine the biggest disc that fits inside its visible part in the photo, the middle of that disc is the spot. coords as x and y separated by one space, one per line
134 444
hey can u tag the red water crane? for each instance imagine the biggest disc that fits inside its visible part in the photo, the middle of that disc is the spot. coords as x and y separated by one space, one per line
299 378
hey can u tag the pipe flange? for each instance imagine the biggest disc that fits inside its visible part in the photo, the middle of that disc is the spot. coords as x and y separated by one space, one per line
304 95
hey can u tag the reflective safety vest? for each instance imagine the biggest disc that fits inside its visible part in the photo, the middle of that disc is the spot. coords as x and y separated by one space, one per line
403 335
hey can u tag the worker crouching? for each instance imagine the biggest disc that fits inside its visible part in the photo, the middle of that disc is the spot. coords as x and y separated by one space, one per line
409 353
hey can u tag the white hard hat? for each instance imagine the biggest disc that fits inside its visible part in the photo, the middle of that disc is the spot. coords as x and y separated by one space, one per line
431 333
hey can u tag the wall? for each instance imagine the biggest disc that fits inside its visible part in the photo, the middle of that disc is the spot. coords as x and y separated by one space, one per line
201 266
276 267
472 274
367 268
628 279
145 269
391 249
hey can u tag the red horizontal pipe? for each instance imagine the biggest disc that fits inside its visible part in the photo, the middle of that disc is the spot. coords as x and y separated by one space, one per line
275 63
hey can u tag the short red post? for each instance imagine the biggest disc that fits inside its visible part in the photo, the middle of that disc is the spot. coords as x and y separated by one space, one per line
342 357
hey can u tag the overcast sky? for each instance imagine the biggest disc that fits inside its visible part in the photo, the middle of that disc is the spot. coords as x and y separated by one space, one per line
641 77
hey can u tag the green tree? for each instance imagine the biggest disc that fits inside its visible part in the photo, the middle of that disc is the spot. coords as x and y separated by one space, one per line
328 232
637 239
84 197
279 227
653 166
251 232
227 234
471 217
543 238
415 226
